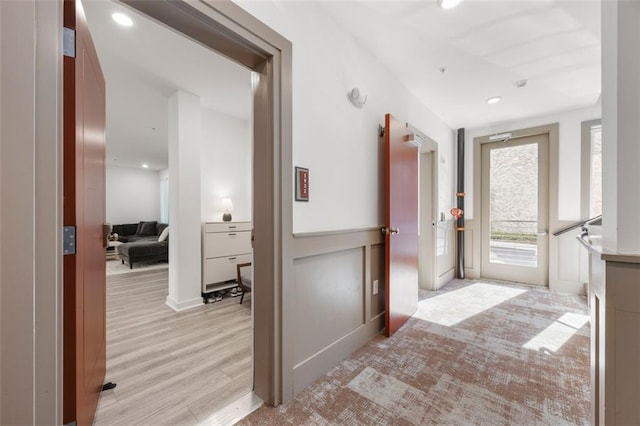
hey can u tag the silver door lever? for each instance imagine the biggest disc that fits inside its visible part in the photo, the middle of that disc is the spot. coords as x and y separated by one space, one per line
387 231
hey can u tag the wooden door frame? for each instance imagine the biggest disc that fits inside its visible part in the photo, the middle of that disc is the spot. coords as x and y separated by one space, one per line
552 131
31 212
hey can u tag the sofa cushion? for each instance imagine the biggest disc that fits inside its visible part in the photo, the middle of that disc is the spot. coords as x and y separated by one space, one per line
143 248
125 229
164 235
138 238
146 229
160 227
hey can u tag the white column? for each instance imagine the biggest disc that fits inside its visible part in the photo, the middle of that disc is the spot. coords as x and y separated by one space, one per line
184 201
621 125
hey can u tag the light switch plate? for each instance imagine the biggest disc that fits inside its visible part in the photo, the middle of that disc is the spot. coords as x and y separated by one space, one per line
375 287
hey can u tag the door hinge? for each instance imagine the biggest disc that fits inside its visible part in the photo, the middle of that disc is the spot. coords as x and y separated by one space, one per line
68 240
69 42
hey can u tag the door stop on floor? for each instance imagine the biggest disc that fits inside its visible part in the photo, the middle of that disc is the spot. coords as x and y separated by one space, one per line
108 386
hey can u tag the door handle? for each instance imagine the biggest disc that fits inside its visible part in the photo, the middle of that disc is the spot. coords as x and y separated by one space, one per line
543 232
387 231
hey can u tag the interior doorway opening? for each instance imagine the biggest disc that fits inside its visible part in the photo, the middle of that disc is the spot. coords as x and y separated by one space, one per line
429 220
202 352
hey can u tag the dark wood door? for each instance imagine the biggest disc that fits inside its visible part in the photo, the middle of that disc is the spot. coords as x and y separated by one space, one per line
84 208
401 225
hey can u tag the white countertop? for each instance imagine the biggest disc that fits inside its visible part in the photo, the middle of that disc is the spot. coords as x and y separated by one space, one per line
594 245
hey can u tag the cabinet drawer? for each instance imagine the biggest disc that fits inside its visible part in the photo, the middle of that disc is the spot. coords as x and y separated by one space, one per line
226 244
227 226
222 268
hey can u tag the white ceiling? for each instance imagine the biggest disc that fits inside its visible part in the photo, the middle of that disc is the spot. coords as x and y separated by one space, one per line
484 47
144 65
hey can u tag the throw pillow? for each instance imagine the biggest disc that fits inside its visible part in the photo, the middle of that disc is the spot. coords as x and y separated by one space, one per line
164 235
146 229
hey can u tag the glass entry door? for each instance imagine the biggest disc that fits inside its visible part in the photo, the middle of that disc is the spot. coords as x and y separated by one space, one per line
515 210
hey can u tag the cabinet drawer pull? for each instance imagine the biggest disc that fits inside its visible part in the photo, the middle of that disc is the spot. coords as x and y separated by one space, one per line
232 258
232 227
232 235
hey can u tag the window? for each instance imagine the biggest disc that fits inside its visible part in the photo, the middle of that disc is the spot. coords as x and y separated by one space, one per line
591 169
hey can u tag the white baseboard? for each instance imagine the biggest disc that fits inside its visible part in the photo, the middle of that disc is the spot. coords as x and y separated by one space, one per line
184 305
446 277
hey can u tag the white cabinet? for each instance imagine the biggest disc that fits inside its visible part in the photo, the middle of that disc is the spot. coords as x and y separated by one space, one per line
224 245
614 294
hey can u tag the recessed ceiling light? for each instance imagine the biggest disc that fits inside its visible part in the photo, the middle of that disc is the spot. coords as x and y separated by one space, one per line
122 19
494 100
145 166
448 4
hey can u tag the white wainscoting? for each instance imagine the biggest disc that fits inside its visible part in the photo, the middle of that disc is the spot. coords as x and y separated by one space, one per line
471 249
335 311
568 263
445 251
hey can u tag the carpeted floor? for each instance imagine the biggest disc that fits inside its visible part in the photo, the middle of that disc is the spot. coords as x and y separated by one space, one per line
476 353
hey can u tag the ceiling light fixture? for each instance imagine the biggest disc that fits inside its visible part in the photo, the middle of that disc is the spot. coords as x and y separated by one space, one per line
449 4
494 100
145 166
122 19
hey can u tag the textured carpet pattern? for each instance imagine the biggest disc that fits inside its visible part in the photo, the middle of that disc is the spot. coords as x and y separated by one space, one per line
474 353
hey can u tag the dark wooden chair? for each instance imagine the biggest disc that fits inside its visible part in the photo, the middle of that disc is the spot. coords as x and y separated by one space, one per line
244 278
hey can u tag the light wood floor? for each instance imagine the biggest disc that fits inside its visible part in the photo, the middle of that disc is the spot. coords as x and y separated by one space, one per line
171 368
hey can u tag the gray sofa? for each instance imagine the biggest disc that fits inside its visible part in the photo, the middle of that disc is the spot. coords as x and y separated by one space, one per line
140 242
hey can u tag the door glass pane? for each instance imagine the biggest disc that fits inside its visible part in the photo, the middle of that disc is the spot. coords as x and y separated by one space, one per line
513 211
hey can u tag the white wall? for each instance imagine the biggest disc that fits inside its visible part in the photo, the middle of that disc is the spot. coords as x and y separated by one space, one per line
185 254
163 181
335 140
133 195
226 165
569 156
620 126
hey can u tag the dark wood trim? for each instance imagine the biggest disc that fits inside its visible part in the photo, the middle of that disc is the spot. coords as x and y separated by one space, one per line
69 219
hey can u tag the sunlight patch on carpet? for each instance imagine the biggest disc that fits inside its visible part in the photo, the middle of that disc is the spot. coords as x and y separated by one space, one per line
557 334
451 308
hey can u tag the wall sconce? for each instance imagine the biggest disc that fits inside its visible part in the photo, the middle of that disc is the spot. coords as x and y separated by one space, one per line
227 208
356 98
